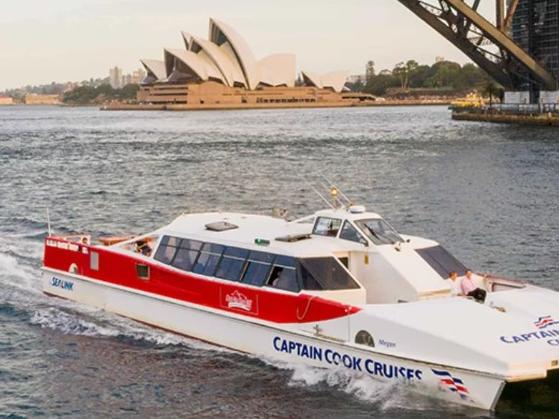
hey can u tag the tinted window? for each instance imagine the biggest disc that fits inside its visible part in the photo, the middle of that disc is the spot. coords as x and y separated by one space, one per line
309 283
258 268
232 264
191 244
285 261
184 259
167 249
236 252
350 233
379 231
328 272
327 226
261 256
230 268
171 241
207 262
213 248
284 278
442 261
256 273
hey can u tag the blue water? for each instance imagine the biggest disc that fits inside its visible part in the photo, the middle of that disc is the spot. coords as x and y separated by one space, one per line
488 193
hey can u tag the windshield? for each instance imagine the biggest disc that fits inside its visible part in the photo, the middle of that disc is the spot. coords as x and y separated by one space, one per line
379 231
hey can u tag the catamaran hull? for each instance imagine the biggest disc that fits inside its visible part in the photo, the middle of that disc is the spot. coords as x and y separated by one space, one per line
279 342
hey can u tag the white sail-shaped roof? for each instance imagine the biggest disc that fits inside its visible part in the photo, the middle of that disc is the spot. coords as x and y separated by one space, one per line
311 79
229 69
187 38
334 81
221 33
277 70
155 68
227 58
199 67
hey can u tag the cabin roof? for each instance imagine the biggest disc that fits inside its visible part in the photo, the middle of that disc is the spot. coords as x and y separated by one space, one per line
261 227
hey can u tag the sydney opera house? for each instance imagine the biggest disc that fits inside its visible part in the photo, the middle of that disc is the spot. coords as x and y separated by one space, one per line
222 70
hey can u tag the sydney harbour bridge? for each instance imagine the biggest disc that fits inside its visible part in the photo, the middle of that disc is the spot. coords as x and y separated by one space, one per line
518 46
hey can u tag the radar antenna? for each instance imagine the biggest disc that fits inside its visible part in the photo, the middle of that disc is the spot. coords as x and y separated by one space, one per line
323 187
315 190
346 202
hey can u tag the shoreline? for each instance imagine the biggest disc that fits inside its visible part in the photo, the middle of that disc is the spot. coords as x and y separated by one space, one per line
208 107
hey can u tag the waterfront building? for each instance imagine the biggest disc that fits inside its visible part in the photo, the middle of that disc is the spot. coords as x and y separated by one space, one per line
6 100
36 99
223 70
115 77
357 78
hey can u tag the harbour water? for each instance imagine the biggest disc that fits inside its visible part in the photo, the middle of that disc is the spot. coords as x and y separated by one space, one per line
488 193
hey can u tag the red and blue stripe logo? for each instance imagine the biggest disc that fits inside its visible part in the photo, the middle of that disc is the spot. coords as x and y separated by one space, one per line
454 384
544 321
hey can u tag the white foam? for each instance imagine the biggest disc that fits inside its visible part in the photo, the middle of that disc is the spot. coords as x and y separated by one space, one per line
384 395
15 275
54 318
77 319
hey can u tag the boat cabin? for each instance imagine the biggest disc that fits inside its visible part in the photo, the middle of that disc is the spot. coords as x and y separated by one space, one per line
346 254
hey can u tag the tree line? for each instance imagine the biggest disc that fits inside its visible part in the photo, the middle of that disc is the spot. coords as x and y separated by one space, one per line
443 75
85 95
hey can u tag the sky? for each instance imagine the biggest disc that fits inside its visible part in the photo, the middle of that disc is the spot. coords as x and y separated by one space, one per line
72 40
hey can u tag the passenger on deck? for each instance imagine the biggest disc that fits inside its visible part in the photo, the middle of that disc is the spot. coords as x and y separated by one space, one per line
454 284
143 247
470 289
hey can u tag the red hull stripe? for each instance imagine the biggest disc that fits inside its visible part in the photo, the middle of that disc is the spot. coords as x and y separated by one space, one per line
262 303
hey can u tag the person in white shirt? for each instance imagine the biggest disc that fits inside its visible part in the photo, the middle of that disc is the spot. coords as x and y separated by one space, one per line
455 288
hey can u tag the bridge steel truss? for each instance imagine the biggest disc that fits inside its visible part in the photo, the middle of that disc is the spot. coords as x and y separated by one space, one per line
487 45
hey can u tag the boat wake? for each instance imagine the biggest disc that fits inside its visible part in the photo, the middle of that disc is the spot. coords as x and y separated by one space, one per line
384 396
20 279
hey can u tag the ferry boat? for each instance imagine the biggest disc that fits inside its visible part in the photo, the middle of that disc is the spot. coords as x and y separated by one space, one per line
338 289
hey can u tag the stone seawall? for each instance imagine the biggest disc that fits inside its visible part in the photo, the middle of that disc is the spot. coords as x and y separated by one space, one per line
504 118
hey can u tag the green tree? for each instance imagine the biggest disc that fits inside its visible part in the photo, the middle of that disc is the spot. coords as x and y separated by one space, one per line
380 83
405 71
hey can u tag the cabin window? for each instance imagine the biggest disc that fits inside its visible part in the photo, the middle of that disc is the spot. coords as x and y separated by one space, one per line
364 338
185 259
327 272
350 233
325 226
167 249
94 261
442 261
142 271
379 231
232 263
207 262
187 254
284 274
258 268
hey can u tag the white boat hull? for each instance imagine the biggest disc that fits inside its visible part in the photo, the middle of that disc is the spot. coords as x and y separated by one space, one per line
281 342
